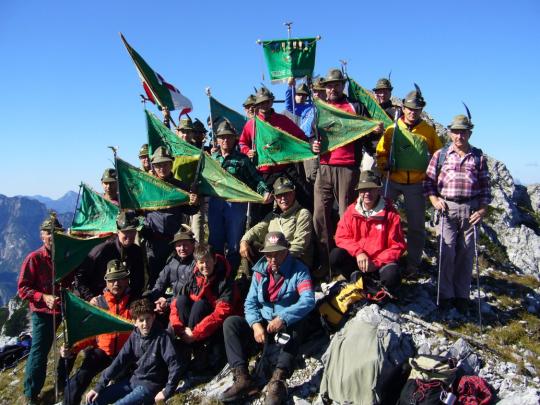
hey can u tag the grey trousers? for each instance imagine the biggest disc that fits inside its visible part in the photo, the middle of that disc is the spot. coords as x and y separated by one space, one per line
198 220
457 251
415 209
333 183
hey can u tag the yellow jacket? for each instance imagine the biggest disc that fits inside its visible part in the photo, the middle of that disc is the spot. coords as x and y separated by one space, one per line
422 129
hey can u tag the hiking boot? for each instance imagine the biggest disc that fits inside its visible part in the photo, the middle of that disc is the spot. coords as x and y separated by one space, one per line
277 388
445 304
242 388
462 305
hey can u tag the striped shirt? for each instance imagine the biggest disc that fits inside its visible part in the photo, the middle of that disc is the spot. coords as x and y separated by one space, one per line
458 178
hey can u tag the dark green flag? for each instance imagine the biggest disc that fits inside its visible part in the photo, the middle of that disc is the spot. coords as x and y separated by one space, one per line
69 252
139 190
358 93
220 111
84 321
337 128
275 146
214 181
289 58
95 215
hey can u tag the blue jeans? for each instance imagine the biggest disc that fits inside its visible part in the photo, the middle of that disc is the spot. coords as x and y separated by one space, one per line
226 224
122 393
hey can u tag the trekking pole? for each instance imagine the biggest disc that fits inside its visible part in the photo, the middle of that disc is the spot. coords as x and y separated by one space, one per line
440 259
390 155
477 277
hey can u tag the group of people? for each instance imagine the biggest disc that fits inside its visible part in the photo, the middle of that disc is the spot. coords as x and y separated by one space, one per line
198 300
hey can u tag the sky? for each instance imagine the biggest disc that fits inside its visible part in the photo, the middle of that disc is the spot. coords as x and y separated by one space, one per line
71 90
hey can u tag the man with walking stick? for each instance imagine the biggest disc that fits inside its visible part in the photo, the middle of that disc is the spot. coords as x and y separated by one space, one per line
457 184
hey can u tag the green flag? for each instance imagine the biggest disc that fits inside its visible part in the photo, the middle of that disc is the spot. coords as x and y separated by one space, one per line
215 181
84 321
289 58
94 215
69 252
275 146
338 128
139 190
358 93
220 111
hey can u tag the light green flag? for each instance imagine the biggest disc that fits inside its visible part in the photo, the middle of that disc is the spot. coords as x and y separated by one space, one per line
337 128
219 111
214 181
69 252
139 190
85 321
358 93
289 58
275 146
95 215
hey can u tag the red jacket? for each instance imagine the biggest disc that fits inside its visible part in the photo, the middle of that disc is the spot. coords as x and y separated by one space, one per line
219 290
277 120
110 343
35 279
380 236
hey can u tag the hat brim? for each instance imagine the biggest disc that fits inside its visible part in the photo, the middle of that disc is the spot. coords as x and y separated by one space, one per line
283 190
161 160
367 185
108 180
382 88
325 82
116 276
464 127
225 133
192 239
262 100
272 249
129 228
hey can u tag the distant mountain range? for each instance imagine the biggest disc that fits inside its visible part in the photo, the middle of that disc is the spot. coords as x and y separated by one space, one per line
20 218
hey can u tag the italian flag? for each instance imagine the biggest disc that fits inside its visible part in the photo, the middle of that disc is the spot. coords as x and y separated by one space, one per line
157 89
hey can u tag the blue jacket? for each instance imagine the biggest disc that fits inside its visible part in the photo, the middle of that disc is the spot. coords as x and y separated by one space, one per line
295 298
298 108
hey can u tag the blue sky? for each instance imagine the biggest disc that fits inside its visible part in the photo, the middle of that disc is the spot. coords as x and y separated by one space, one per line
70 88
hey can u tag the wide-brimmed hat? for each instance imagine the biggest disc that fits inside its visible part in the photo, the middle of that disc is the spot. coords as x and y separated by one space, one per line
262 95
116 270
318 84
275 242
198 126
250 100
184 233
225 128
161 155
414 100
383 83
334 75
109 176
461 122
143 151
185 124
127 221
283 185
368 179
302 90
48 222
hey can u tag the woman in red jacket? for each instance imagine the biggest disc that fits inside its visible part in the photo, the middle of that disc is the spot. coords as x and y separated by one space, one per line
199 310
369 237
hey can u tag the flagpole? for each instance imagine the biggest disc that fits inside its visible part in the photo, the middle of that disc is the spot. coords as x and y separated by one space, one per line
55 354
76 203
114 150
289 24
209 94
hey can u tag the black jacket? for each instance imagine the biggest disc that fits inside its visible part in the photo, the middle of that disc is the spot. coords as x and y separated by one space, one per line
175 274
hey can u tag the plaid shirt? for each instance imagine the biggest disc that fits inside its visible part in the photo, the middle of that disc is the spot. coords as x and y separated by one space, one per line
240 166
458 177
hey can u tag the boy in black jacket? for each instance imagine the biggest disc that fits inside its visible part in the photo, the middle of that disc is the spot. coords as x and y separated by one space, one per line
157 373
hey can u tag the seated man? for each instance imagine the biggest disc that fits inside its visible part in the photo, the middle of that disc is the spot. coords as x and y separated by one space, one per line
369 237
280 297
100 351
89 281
199 310
295 222
151 350
176 272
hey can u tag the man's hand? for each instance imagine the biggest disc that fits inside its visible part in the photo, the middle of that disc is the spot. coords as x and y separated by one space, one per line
275 325
193 199
258 333
438 203
363 262
93 301
379 128
245 251
65 351
477 216
251 153
161 305
291 81
316 147
91 396
50 300
160 397
166 113
267 198
187 336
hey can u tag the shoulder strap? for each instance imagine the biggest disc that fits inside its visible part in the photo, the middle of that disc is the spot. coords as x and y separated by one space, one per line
477 154
442 158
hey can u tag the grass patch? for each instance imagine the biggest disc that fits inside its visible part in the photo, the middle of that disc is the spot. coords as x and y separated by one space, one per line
495 254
